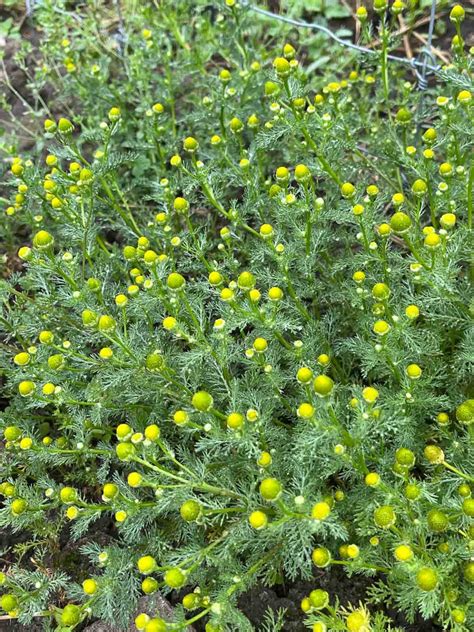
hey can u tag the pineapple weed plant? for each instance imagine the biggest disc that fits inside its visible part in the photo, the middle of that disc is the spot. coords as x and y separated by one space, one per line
240 331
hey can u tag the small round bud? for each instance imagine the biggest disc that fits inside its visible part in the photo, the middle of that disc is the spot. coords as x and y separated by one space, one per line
114 114
302 173
427 579
8 602
270 489
235 421
266 231
405 457
437 520
202 401
320 511
465 412
106 323
175 578
403 553
381 328
190 510
236 126
305 411
275 294
26 388
400 222
372 479
381 291
246 281
110 491
71 614
384 517
413 371
370 394
18 506
282 66
258 520
190 144
175 281
321 557
434 454
347 190
260 345
304 375
65 126
323 385
68 495
319 599
146 564
89 586
43 240
457 13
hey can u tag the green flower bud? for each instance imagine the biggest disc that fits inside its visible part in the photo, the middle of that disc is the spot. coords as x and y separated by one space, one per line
457 13
282 66
71 614
190 510
419 188
8 602
56 362
469 572
175 578
319 599
405 457
427 579
465 412
246 281
323 385
68 495
403 116
65 126
381 291
129 252
347 190
190 144
437 520
125 451
18 506
202 401
43 240
146 564
154 361
49 126
114 114
236 125
106 323
149 585
175 281
270 489
400 222
302 173
89 318
12 433
384 517
468 507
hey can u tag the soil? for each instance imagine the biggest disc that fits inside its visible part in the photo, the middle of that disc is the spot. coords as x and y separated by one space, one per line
348 590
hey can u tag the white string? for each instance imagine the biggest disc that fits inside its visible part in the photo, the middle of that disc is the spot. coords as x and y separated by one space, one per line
414 63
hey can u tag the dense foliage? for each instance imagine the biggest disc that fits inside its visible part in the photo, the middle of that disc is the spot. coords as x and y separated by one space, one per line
237 341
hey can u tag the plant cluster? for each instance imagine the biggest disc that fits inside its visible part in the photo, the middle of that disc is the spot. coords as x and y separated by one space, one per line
237 327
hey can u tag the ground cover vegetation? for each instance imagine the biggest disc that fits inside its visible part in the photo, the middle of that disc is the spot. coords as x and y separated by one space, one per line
236 321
